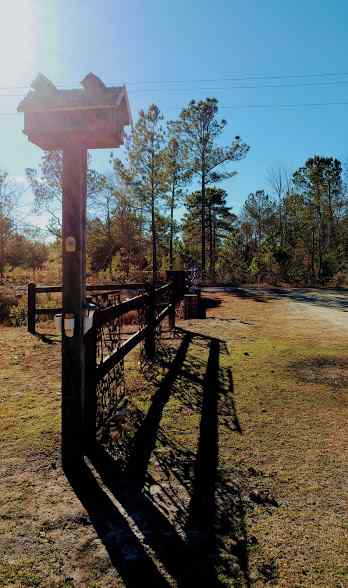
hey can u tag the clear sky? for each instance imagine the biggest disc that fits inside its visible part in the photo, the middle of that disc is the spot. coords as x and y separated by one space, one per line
167 52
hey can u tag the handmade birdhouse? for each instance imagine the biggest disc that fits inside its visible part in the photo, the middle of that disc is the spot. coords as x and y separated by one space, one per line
93 117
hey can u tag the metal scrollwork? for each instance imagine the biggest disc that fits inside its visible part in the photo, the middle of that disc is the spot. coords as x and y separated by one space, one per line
111 389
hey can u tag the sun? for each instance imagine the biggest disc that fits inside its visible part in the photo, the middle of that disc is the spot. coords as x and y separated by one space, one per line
18 41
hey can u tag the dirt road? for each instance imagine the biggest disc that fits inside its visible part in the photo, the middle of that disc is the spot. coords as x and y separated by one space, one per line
329 306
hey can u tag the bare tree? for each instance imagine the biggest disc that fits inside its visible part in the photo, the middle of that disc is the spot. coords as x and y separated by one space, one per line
279 180
9 197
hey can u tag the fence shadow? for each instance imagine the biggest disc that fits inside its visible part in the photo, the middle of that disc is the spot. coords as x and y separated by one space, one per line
132 512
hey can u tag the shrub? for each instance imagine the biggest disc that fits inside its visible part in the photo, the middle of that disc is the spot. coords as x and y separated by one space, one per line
8 302
18 314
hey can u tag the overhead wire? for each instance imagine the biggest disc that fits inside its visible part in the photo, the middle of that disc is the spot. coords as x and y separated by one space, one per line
210 80
212 88
248 106
231 88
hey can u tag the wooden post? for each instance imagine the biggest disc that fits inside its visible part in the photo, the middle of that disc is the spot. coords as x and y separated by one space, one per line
149 342
73 121
31 307
171 277
192 307
172 300
177 279
74 279
90 429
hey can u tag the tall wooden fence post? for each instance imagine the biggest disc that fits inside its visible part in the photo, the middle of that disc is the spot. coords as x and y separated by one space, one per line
150 343
31 307
74 280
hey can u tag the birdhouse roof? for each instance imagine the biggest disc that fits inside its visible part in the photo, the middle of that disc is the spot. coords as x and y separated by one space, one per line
45 96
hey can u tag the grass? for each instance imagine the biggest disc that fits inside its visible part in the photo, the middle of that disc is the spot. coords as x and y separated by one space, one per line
279 493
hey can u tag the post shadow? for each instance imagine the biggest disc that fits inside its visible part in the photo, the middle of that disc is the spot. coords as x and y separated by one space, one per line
202 511
192 558
228 409
125 550
168 546
145 439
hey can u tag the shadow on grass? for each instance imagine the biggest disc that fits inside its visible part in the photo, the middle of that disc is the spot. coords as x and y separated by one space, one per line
323 297
210 302
169 527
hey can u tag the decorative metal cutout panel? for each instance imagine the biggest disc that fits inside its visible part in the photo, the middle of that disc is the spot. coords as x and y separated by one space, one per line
111 390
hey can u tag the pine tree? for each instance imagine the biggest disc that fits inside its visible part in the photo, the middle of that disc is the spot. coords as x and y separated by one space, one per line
143 173
200 130
178 176
219 221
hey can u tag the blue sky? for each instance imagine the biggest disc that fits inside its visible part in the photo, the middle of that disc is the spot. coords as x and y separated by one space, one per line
166 51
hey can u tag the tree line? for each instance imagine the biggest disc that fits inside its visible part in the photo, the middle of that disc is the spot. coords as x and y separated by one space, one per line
18 247
162 205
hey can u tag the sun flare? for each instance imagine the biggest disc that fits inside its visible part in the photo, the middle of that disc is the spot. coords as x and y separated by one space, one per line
18 41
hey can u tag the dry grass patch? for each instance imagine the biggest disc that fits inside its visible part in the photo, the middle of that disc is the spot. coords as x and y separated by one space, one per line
256 444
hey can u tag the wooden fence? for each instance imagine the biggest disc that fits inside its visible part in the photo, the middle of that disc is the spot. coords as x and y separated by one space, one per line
106 344
106 348
34 311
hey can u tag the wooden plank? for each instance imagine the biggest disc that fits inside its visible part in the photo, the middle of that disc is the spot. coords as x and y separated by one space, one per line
162 289
93 288
112 312
48 289
52 311
163 314
111 287
120 353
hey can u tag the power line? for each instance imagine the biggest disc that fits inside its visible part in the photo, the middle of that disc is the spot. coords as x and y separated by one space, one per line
208 80
209 89
298 105
301 85
247 106
242 78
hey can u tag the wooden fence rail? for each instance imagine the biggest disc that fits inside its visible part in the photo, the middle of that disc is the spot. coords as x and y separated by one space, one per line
33 290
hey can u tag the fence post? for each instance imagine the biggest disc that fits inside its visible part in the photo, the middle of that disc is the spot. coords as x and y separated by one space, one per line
89 404
177 279
172 300
31 307
170 277
149 342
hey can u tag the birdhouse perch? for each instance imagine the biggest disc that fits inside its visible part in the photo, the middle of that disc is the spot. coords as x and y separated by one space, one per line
93 117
